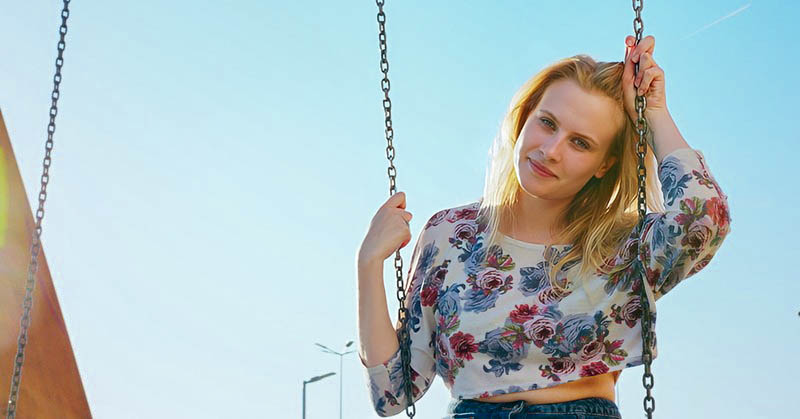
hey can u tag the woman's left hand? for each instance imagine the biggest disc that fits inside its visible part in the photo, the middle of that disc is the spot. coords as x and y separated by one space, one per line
649 82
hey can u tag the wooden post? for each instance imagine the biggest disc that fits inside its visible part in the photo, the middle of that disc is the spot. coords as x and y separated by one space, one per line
51 385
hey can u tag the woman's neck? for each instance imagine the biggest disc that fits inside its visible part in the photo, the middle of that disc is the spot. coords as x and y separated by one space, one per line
534 223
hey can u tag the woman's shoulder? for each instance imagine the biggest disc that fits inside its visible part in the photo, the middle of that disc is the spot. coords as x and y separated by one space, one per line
452 224
459 214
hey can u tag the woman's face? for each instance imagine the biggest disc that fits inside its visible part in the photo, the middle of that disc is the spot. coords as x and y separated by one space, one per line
569 133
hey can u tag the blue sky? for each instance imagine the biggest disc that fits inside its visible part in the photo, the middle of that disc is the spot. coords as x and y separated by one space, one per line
216 168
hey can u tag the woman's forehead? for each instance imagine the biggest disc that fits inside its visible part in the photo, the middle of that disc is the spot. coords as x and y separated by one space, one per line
579 111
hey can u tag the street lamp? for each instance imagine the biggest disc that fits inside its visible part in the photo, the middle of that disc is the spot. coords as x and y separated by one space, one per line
317 378
341 356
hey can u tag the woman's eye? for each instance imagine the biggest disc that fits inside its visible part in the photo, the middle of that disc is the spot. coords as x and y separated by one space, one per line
550 123
583 143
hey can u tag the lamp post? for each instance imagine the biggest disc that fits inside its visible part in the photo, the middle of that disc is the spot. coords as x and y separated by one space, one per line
317 378
341 356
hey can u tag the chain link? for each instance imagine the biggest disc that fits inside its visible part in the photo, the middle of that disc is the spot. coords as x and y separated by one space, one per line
37 235
641 151
402 315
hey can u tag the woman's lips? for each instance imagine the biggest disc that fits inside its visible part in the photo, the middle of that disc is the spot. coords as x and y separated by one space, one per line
539 170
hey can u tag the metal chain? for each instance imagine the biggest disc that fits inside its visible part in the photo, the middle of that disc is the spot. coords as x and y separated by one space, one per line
641 150
36 239
402 315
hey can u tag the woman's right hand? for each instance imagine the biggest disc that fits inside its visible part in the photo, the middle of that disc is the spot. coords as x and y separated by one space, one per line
388 231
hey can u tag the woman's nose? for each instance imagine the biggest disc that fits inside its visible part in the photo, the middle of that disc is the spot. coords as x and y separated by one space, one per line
550 148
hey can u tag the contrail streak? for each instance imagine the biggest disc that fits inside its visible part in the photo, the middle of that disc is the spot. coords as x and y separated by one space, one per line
731 14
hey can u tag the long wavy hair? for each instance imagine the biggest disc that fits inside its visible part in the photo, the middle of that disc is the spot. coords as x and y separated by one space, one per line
605 211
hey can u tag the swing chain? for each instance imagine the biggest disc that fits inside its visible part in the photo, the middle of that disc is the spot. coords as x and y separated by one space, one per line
641 150
402 315
36 239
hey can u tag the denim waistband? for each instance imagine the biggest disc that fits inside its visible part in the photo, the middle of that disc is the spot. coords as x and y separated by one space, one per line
591 405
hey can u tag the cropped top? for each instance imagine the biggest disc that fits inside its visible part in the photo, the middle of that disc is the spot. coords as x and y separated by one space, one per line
488 322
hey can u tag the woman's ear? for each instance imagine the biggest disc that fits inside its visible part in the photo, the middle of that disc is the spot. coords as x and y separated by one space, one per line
609 163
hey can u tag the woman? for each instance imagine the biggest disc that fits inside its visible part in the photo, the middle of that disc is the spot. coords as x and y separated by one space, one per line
527 301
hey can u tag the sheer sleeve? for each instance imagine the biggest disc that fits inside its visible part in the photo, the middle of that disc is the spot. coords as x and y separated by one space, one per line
386 386
682 240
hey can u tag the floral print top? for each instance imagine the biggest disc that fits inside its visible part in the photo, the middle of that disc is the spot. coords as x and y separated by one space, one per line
488 322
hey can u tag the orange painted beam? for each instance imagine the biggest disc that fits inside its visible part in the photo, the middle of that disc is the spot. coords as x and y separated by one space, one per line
51 385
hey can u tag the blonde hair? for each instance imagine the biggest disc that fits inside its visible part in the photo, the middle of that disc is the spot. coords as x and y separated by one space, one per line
604 212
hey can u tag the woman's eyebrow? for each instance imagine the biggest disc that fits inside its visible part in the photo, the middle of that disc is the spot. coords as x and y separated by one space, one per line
553 117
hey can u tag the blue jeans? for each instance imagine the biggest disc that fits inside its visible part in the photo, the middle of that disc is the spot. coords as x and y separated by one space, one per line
589 408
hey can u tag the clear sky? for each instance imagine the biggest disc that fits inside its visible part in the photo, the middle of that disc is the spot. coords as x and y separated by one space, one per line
216 168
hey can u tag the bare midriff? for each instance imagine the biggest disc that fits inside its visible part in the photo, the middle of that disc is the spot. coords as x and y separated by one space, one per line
595 386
